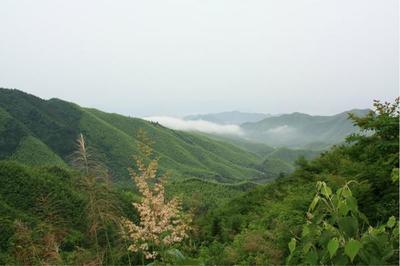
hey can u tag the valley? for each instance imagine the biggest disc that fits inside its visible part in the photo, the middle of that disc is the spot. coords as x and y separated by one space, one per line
66 169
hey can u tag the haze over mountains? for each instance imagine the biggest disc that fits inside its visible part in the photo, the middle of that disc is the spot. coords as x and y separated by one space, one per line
302 130
226 118
295 130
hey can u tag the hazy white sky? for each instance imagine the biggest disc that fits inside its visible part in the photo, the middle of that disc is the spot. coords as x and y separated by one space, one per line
182 56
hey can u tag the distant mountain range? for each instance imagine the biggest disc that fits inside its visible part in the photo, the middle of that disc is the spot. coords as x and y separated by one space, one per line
296 130
301 130
232 118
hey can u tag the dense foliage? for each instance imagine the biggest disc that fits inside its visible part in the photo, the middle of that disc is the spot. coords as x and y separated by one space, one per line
337 232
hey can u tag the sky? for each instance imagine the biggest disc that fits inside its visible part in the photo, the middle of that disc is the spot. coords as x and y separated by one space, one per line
180 57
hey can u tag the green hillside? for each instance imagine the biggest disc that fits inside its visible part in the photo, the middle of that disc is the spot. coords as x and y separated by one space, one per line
205 195
275 161
37 131
291 155
22 186
32 151
300 130
257 148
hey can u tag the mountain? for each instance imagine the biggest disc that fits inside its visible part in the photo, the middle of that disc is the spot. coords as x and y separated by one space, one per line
36 132
298 130
291 155
224 118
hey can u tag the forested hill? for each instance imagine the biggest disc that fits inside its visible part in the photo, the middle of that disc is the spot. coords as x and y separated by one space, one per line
36 132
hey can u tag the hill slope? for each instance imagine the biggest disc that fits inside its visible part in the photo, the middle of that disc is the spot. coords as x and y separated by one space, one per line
276 161
30 125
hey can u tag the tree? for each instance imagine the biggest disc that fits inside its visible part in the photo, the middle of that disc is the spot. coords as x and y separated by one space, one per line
376 150
378 140
162 222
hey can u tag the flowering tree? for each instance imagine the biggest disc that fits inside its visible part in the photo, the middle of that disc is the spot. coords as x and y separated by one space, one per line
162 222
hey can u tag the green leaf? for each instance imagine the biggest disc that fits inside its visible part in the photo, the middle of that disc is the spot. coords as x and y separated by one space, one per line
326 191
333 246
351 248
346 192
307 247
292 245
343 208
314 203
320 184
352 204
391 222
306 231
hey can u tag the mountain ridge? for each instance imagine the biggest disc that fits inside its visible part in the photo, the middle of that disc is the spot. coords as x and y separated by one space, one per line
299 130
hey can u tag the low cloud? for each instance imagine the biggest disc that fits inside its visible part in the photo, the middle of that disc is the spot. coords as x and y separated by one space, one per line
281 130
196 125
